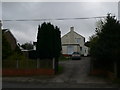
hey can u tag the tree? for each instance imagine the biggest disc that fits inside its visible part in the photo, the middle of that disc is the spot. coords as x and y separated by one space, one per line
105 46
27 46
48 42
57 46
87 43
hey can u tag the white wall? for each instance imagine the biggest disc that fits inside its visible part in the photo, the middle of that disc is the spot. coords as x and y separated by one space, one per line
71 38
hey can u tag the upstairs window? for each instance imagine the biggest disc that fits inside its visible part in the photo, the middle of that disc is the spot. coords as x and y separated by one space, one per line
78 40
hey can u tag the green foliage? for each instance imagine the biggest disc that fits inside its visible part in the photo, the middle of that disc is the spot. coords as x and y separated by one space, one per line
27 46
117 81
105 44
60 69
87 44
48 41
93 46
63 58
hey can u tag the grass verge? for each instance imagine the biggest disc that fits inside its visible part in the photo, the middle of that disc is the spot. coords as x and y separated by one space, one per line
60 69
117 81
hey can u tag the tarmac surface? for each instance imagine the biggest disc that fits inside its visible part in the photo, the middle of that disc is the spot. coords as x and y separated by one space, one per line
74 75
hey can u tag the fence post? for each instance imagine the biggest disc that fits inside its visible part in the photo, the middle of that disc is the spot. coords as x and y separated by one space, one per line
53 63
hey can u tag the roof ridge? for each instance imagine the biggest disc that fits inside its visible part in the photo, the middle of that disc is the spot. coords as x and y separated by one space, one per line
74 32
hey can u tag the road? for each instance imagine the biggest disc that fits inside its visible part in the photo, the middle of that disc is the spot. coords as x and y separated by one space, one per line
74 75
57 85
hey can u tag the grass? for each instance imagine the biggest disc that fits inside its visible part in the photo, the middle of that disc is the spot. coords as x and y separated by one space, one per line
117 81
63 58
60 69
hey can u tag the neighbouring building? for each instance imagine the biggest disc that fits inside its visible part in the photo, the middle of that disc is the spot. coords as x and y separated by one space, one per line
10 38
31 54
73 42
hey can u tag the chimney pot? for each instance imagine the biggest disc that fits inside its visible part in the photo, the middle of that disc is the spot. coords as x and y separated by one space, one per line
71 28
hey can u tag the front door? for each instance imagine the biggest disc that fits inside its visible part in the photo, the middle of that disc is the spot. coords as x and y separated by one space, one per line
70 49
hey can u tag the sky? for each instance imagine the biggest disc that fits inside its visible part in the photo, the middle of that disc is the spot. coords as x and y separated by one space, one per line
119 10
26 31
0 11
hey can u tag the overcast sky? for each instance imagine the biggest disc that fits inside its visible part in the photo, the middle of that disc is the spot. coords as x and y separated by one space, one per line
0 12
119 10
26 31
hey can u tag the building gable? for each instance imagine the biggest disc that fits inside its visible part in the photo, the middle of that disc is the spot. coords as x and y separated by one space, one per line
10 38
72 37
73 42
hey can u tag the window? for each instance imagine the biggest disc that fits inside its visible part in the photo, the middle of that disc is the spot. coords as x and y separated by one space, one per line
78 40
70 49
80 48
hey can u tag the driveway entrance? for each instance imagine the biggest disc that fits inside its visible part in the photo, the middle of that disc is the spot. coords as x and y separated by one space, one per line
77 71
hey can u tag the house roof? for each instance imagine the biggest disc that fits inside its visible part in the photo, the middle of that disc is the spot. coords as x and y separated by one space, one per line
8 31
74 32
5 30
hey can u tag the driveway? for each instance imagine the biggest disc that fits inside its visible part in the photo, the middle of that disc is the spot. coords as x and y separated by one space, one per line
77 71
74 75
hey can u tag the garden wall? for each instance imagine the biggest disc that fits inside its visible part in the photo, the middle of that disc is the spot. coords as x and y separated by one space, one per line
99 72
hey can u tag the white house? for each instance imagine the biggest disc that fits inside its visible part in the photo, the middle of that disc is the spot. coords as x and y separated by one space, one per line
73 42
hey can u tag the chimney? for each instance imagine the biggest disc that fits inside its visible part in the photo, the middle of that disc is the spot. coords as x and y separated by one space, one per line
71 28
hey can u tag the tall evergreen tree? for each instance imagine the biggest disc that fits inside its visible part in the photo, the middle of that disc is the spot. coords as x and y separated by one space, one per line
109 38
57 47
48 42
105 45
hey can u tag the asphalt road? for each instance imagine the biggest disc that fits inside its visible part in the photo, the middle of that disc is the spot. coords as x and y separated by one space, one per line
75 75
56 85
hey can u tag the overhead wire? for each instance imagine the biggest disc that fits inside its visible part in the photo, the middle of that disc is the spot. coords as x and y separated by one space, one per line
52 19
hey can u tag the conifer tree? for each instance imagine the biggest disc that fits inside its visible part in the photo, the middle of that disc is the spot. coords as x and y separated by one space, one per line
105 45
49 42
